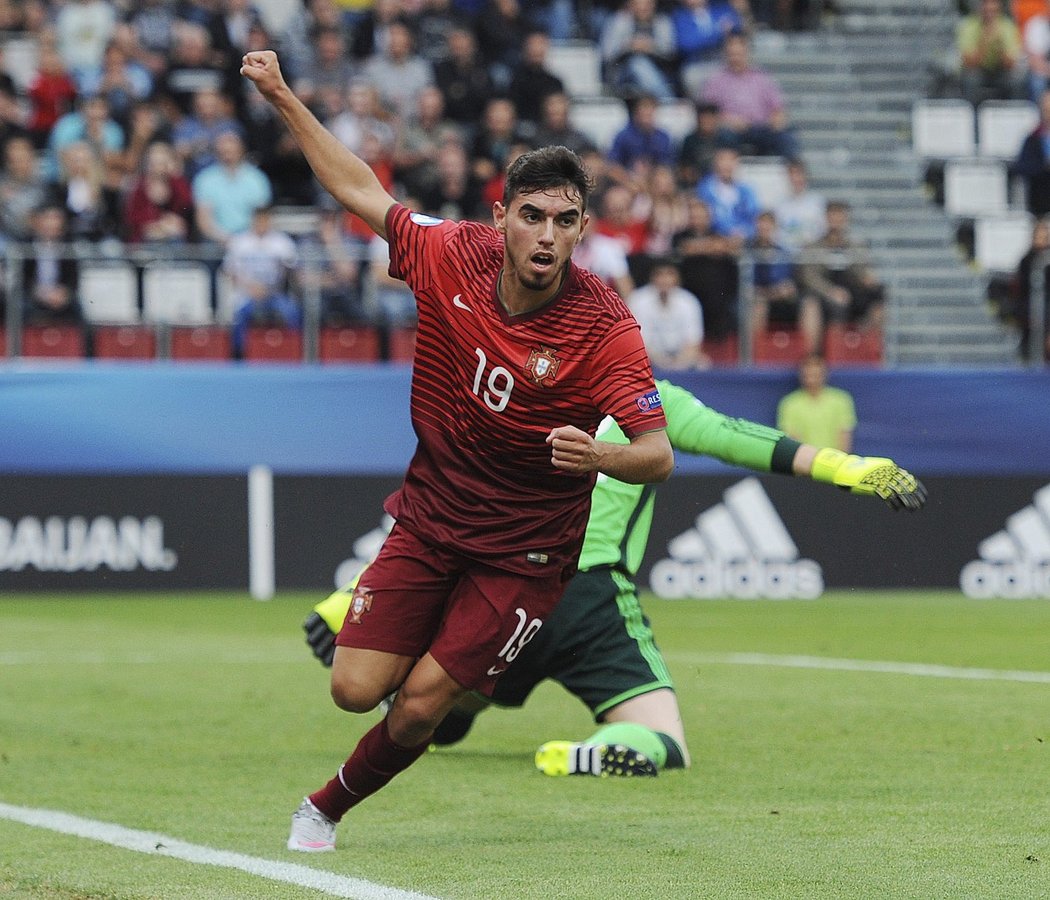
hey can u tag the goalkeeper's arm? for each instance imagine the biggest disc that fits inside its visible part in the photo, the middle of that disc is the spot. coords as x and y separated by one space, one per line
695 428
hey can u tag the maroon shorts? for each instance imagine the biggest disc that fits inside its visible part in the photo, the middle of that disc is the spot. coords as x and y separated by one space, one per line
473 619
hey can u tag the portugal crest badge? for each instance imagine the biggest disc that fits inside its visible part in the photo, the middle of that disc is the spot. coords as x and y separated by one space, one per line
542 366
360 603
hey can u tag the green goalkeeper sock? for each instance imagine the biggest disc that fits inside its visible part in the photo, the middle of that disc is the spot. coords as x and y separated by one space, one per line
661 749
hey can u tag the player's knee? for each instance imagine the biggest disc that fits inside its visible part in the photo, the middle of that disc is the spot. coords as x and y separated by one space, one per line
354 695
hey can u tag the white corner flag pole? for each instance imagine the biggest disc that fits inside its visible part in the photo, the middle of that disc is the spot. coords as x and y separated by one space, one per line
261 579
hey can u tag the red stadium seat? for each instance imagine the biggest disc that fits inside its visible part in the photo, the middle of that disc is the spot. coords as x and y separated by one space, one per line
723 352
779 347
125 342
273 345
402 344
844 345
3 343
349 344
204 342
53 341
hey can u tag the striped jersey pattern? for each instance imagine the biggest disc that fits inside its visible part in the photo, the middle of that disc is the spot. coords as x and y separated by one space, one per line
487 388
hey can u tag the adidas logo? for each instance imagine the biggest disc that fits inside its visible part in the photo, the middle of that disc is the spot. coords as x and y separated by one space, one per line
1015 562
365 550
739 548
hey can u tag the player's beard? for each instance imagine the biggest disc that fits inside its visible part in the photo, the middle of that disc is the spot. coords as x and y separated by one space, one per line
540 283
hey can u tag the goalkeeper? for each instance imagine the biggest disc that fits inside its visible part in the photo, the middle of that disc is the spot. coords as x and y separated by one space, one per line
597 643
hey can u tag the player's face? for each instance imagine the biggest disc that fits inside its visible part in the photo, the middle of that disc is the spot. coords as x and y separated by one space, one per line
541 230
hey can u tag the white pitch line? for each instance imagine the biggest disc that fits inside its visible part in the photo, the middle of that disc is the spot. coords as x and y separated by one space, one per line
162 845
927 670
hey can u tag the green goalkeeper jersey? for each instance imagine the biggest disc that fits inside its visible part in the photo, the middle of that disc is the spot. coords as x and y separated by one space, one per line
622 514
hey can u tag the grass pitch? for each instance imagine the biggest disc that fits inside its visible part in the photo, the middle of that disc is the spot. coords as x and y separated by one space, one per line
204 718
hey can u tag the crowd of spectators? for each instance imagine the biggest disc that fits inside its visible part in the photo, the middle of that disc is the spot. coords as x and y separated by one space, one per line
135 130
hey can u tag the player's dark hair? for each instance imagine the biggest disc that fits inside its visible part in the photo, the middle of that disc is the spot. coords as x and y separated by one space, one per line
545 169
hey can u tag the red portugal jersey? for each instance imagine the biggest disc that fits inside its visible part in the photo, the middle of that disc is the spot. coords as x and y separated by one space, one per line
487 388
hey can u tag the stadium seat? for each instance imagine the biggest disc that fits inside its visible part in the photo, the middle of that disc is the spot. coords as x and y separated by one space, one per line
3 345
768 176
723 352
402 344
53 341
1002 126
298 221
177 293
202 342
273 344
124 342
975 187
779 347
677 118
109 292
578 66
844 345
999 242
943 129
599 118
349 344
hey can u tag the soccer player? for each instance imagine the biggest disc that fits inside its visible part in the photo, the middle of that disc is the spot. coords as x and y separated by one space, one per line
598 644
519 357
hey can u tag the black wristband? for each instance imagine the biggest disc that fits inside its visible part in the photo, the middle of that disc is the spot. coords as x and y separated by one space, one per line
783 459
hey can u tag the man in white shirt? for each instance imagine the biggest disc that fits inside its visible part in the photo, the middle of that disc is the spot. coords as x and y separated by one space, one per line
801 215
671 319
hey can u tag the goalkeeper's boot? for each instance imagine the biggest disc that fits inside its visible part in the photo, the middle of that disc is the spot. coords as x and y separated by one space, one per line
312 830
602 760
453 728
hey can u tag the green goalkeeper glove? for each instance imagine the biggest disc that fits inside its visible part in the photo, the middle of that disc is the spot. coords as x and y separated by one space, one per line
323 624
869 475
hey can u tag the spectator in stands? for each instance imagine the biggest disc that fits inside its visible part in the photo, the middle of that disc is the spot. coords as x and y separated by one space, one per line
239 18
733 203
394 301
671 319
637 48
640 144
419 142
775 296
227 192
801 216
605 257
194 136
431 21
1036 43
1037 255
325 74
149 121
697 153
83 28
668 210
1033 162
502 28
555 129
91 201
331 266
709 269
277 155
990 55
532 82
500 130
623 216
835 274
22 189
464 80
92 123
700 28
259 263
398 73
159 208
362 116
153 22
304 23
815 412
458 192
194 65
370 30
120 79
752 113
12 116
49 272
51 93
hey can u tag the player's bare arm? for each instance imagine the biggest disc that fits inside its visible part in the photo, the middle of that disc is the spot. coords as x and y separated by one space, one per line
647 459
344 175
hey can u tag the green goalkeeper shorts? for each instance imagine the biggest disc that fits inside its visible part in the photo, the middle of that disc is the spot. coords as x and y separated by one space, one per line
597 644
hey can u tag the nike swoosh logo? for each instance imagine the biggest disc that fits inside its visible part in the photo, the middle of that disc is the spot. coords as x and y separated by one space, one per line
457 302
494 671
